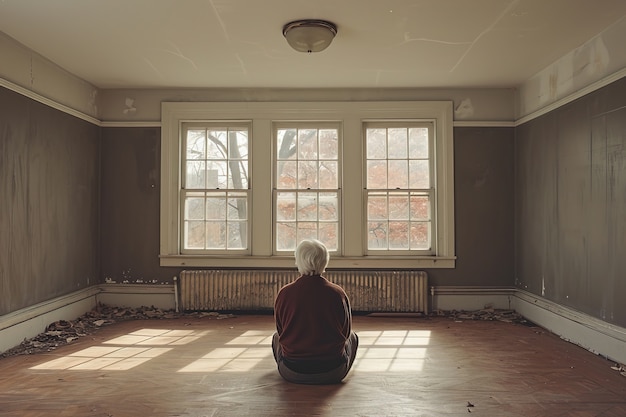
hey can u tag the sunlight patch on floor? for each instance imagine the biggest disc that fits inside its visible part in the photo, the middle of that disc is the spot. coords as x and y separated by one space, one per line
379 351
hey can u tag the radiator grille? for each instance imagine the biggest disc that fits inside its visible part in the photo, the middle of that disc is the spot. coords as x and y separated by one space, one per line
255 290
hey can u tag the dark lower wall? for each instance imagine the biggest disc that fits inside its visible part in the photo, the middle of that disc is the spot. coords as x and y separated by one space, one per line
131 178
483 193
49 202
570 222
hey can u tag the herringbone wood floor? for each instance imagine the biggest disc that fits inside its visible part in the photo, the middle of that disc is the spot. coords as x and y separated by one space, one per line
405 367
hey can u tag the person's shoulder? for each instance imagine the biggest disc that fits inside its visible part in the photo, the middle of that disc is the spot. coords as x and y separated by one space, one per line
334 286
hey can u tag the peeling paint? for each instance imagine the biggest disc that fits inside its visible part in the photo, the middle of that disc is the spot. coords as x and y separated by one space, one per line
130 108
464 110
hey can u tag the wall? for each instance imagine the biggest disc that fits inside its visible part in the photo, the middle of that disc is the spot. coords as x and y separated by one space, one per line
570 221
49 202
483 195
131 176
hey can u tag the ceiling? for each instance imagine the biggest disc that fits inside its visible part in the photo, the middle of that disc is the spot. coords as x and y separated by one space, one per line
239 43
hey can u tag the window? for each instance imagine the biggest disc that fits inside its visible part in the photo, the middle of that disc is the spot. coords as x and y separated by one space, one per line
307 180
399 193
243 183
214 191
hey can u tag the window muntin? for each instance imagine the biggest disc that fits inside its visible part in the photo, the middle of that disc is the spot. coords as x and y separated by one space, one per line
306 192
214 189
400 191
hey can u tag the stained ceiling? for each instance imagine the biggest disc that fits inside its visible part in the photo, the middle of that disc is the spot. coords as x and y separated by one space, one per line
239 43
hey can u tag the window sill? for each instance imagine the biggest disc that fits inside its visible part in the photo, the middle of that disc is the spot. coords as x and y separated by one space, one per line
369 262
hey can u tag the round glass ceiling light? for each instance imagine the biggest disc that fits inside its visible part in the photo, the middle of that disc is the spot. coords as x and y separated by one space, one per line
309 35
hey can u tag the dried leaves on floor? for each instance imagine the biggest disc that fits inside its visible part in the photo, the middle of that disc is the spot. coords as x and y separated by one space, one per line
63 332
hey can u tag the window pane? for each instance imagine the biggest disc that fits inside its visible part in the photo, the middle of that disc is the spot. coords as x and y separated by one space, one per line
420 208
328 235
419 174
306 230
329 206
377 235
237 235
194 235
329 141
195 175
307 174
196 144
238 144
307 144
399 207
216 208
398 235
420 235
286 206
377 174
286 146
376 143
194 208
237 208
328 174
418 143
287 174
285 236
307 206
216 146
238 178
216 235
377 208
398 174
216 175
397 143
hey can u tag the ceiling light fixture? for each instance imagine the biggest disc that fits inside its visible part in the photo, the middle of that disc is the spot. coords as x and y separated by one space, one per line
309 35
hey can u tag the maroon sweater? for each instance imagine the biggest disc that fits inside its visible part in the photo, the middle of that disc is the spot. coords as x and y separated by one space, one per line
313 319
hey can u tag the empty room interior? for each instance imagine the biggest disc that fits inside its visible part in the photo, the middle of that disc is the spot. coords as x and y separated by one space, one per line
464 162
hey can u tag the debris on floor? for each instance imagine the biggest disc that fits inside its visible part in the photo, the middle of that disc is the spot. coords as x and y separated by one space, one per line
619 368
489 314
63 332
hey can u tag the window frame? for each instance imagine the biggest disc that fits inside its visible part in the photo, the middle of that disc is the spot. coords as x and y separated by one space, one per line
352 115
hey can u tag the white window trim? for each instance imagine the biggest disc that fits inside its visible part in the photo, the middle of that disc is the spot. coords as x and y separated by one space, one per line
263 114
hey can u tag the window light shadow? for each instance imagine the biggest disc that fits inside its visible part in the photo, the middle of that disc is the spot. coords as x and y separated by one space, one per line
379 351
118 356
242 353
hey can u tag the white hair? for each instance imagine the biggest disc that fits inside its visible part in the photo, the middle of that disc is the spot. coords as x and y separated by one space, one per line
311 257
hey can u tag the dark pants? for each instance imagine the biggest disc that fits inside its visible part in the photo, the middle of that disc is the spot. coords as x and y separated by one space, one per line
332 376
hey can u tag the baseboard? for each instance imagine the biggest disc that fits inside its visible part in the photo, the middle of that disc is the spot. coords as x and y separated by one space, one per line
581 329
595 335
29 322
138 295
470 298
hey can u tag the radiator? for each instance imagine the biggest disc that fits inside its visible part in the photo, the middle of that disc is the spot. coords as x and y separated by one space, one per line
255 290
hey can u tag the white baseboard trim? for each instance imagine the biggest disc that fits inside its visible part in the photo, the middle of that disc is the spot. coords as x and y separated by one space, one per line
29 322
470 298
595 335
137 295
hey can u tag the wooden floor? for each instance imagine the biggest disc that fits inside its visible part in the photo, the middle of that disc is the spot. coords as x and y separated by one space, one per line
404 367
